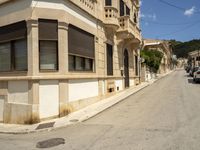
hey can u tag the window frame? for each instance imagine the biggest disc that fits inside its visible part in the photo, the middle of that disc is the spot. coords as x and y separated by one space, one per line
12 56
57 57
42 37
84 67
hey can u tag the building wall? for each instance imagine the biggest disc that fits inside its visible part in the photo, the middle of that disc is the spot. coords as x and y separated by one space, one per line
82 89
45 95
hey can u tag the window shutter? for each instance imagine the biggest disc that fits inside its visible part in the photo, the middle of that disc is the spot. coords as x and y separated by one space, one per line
13 31
5 57
80 42
48 29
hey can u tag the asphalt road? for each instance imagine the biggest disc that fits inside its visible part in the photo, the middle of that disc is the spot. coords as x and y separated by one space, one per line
163 116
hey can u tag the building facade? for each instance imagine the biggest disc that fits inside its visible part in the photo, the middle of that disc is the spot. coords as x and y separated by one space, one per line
166 63
58 56
194 58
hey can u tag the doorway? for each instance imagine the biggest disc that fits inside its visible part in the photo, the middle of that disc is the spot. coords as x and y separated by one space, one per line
126 68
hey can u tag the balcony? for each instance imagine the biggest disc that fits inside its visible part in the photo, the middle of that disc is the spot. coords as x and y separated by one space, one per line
128 29
111 17
87 5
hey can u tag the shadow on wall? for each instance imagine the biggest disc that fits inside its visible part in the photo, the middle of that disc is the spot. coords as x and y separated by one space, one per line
11 7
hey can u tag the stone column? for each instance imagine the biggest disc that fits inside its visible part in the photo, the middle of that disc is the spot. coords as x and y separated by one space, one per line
33 47
63 47
33 68
64 107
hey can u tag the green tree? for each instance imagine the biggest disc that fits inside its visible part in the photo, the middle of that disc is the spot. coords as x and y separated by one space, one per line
152 58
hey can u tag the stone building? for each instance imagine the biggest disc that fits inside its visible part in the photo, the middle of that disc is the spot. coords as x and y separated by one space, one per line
166 62
58 56
194 58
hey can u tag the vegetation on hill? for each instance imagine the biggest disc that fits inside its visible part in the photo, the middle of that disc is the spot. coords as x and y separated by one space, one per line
181 49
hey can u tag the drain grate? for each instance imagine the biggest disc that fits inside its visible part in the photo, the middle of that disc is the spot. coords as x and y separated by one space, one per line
74 120
50 143
45 125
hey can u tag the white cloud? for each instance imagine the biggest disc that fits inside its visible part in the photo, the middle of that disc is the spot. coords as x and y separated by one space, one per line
141 3
148 16
141 15
190 12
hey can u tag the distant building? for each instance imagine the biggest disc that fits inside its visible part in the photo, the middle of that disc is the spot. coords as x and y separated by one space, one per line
57 56
166 62
194 58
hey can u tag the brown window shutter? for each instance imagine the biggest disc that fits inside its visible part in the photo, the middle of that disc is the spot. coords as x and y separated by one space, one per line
80 42
48 29
13 31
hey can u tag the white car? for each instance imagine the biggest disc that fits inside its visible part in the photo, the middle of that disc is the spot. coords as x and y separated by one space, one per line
196 76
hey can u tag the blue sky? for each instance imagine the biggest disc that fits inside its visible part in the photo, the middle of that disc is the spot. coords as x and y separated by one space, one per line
162 21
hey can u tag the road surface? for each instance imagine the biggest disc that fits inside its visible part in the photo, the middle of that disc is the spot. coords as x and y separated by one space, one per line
163 116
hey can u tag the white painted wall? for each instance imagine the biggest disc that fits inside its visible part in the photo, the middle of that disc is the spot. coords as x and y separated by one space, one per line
132 82
48 98
103 88
2 99
18 92
82 89
119 83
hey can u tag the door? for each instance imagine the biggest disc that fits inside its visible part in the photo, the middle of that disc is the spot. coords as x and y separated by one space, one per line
126 68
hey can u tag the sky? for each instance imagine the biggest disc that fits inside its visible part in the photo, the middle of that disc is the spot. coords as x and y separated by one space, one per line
170 19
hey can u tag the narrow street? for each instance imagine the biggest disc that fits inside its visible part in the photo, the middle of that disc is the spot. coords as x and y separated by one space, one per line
163 116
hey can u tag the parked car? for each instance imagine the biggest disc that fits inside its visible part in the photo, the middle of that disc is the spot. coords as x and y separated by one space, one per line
188 68
196 76
194 69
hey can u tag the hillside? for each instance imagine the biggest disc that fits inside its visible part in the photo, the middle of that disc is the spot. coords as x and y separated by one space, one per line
181 49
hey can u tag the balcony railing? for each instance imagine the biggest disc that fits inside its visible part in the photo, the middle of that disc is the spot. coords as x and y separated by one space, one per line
129 27
87 5
111 16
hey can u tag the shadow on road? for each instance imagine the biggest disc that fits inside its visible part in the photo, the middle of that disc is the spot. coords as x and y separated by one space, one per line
191 81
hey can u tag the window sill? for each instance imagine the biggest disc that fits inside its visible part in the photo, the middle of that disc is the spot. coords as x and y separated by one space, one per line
13 73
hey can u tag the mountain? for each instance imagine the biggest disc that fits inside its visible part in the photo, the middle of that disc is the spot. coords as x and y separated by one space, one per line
181 49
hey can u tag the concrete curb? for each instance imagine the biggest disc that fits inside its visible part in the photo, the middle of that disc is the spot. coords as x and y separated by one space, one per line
81 115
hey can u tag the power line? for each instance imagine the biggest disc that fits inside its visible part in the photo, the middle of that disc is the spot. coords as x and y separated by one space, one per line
180 30
175 6
168 24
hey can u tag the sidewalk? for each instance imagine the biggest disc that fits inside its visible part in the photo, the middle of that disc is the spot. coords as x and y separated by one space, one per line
78 116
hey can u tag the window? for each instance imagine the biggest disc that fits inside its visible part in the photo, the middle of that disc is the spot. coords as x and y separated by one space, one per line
109 59
13 47
127 11
124 9
48 55
121 8
135 17
136 65
77 63
81 49
20 48
5 57
108 2
48 43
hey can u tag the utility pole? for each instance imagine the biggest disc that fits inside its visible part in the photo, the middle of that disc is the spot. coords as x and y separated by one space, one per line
198 58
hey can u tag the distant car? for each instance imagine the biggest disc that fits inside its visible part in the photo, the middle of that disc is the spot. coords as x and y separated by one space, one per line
188 68
196 76
194 69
